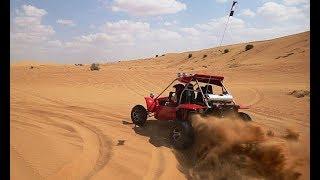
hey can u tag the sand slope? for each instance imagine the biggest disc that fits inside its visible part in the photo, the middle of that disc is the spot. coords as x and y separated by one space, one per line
68 122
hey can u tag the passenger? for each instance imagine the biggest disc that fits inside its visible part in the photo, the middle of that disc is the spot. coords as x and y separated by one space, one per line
208 89
198 94
199 98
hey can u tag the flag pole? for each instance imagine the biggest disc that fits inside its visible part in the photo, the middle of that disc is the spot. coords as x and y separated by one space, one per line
225 28
231 14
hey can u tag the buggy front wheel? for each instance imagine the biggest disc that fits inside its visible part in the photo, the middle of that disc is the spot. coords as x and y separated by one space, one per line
139 115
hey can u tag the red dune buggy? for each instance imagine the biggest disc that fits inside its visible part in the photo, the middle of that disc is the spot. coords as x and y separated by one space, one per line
194 93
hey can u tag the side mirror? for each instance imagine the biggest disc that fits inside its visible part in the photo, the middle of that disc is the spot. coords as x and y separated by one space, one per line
151 95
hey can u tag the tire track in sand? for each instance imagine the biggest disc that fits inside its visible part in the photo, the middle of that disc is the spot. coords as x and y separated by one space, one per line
271 121
259 96
122 80
134 81
157 165
96 150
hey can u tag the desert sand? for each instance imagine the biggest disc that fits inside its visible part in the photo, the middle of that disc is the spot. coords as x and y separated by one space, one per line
67 122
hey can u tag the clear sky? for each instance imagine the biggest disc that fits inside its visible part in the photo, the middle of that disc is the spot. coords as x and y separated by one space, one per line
85 31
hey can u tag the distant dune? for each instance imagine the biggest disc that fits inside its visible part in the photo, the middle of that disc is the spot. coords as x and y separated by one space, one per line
67 122
264 53
32 63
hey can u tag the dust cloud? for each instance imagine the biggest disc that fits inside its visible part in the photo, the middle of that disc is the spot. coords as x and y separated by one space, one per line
234 149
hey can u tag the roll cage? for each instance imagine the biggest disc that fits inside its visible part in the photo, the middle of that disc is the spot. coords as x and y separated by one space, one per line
187 79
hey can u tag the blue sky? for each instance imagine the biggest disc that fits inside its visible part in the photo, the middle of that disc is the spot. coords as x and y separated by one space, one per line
84 31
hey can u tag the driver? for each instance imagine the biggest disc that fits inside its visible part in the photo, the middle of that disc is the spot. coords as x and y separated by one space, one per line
178 90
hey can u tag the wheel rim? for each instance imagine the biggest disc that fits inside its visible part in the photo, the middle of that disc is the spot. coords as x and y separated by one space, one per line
176 134
136 116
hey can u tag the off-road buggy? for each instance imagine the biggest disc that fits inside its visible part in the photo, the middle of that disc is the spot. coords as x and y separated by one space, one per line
187 100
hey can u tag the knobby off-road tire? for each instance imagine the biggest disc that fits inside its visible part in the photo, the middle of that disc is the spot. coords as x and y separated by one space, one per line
182 135
244 116
139 115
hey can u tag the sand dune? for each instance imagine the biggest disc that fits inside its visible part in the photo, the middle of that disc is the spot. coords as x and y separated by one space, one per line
68 122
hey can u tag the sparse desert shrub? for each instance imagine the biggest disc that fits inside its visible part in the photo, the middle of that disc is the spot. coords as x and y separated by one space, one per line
162 55
289 54
31 67
80 64
249 46
120 142
291 135
204 56
157 55
226 51
299 93
205 66
190 55
94 67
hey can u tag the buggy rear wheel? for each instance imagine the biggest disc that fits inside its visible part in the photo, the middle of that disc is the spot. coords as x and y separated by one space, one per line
139 115
244 116
182 135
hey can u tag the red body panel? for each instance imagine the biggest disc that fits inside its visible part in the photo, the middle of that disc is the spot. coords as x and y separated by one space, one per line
241 106
190 107
150 104
165 113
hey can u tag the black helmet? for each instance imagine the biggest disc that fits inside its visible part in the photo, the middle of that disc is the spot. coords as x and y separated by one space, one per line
179 86
190 86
